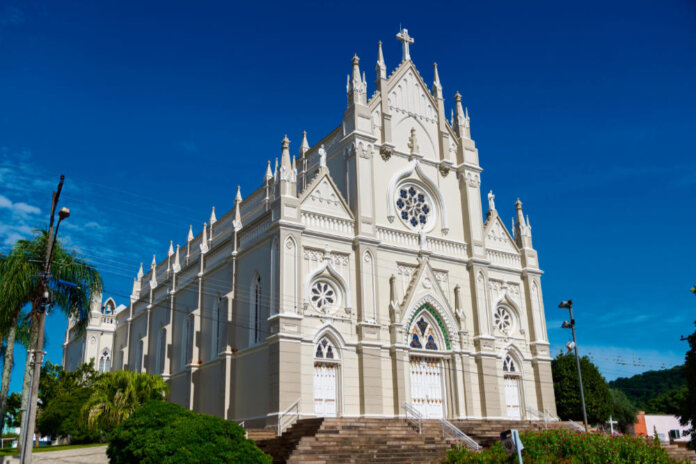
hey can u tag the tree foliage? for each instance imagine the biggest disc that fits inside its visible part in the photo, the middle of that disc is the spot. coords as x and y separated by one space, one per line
598 399
687 412
117 394
643 388
623 411
164 433
13 413
63 395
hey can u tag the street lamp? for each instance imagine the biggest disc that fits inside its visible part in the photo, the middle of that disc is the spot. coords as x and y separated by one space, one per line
571 325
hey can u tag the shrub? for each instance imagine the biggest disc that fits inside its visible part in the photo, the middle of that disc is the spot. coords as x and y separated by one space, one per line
161 432
564 446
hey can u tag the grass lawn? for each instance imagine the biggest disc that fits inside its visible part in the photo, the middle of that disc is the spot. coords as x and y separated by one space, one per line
42 449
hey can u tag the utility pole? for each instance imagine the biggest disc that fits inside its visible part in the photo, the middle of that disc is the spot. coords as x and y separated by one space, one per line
571 325
39 318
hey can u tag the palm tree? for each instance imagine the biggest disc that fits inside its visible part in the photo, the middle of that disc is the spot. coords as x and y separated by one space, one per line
117 394
73 284
18 333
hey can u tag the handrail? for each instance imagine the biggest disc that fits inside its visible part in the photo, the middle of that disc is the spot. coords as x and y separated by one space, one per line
545 416
449 428
287 418
417 416
576 426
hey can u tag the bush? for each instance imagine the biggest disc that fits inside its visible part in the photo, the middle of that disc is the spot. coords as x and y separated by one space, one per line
564 446
161 432
62 417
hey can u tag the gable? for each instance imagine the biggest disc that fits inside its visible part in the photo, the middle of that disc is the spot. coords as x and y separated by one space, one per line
498 238
323 197
412 107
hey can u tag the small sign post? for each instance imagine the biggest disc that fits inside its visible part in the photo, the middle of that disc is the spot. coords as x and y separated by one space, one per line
512 443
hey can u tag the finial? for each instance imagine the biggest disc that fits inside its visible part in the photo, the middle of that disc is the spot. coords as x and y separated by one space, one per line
269 173
458 97
381 65
238 197
405 40
154 262
304 147
171 248
213 218
294 164
286 142
436 78
518 204
356 59
190 234
275 172
204 237
140 272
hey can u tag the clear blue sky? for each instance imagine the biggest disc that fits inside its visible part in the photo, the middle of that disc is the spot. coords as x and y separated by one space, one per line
155 111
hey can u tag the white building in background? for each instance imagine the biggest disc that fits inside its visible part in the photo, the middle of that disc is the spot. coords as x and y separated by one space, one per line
96 343
359 276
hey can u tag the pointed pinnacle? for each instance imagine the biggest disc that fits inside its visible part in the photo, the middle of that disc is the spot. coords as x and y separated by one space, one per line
238 197
190 234
171 248
213 218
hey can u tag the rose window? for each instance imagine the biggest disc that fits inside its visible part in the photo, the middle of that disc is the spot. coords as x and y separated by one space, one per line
414 205
503 320
323 295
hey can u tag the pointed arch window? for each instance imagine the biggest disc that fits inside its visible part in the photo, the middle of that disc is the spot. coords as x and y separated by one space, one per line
256 310
161 349
326 350
422 335
509 365
105 361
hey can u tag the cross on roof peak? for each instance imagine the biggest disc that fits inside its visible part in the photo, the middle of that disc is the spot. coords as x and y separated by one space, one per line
405 40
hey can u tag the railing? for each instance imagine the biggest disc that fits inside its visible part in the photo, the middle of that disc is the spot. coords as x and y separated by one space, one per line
450 429
574 425
534 414
288 417
415 416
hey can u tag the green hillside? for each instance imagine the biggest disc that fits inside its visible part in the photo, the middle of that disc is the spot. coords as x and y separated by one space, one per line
655 392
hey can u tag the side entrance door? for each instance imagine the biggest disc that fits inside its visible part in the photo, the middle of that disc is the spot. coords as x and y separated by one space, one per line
512 397
325 390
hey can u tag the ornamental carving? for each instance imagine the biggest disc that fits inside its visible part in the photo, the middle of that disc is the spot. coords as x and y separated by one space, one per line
385 152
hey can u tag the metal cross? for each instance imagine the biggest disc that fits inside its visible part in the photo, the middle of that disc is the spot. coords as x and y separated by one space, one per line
405 40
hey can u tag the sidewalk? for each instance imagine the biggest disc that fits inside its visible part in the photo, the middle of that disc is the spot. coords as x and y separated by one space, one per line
92 455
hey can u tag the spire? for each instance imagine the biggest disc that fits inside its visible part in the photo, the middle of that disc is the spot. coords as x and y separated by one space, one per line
304 147
436 82
153 270
269 174
213 218
285 163
140 272
356 85
381 65
171 248
275 171
461 120
177 265
204 236
190 234
294 163
237 208
405 40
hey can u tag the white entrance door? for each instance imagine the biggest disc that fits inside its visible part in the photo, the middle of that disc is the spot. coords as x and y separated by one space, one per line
426 387
512 397
325 390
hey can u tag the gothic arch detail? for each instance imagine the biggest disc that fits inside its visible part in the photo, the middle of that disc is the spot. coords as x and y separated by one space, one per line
334 276
421 325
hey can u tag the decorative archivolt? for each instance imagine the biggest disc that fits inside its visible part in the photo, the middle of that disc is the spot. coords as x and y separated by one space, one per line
330 332
328 273
415 166
512 358
430 305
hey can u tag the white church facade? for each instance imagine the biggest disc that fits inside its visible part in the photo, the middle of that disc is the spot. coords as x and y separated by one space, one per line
360 276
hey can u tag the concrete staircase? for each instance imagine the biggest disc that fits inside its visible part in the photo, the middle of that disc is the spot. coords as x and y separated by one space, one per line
680 454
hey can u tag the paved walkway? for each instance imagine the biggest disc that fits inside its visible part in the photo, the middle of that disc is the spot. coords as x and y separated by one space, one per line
91 455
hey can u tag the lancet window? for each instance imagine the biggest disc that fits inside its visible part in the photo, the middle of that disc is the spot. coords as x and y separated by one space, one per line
509 365
422 335
326 350
105 361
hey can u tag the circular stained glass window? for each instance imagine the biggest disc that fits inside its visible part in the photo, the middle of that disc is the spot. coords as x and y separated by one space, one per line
323 295
414 206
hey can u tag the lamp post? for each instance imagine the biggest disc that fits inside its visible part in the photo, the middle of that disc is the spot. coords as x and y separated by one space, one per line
571 325
40 319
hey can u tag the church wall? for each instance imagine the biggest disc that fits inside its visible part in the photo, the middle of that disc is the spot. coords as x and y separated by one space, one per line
184 303
251 261
210 391
159 317
179 388
251 388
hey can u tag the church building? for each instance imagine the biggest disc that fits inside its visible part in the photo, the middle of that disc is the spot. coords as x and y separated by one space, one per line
361 278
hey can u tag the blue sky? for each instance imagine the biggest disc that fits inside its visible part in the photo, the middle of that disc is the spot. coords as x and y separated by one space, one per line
155 111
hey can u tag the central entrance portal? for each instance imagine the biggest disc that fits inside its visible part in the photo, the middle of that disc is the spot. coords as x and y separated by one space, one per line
325 390
426 387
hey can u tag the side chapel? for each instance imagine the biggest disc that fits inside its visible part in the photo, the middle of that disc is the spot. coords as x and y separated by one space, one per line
361 275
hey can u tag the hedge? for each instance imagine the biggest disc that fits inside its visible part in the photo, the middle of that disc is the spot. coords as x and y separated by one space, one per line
566 447
163 433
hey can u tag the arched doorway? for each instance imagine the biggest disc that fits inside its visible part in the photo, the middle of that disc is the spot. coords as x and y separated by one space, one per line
513 398
326 370
427 337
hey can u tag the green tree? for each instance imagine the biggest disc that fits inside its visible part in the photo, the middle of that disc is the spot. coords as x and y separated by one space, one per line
13 413
687 412
598 400
623 411
669 402
17 333
117 394
63 396
20 285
